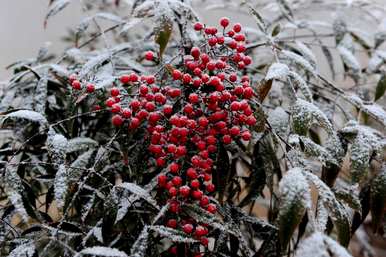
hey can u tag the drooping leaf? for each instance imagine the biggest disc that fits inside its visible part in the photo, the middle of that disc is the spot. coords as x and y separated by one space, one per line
378 199
305 114
173 234
295 198
163 33
320 245
26 115
141 244
55 7
139 191
335 209
277 71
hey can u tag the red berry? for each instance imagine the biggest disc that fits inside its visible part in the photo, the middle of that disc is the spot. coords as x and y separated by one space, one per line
227 139
162 179
176 74
177 180
211 208
191 173
195 52
239 37
134 123
195 184
224 22
205 58
233 77
116 108
193 98
72 77
90 88
172 223
168 109
204 201
198 26
173 250
150 79
184 191
149 55
125 79
174 207
201 231
174 168
234 131
203 122
114 91
246 135
204 241
197 194
186 78
117 120
133 77
187 228
76 85
173 191
237 27
210 188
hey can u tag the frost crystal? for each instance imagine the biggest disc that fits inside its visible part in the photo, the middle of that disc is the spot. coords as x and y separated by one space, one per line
277 71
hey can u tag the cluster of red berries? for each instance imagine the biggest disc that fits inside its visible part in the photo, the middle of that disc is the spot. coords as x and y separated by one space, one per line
202 104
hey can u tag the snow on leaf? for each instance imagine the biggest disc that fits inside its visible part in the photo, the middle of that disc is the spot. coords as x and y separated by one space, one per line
277 71
172 234
306 53
375 111
378 199
26 115
279 120
61 185
320 245
80 143
336 210
102 251
93 63
26 249
315 150
365 142
349 59
14 189
86 208
295 198
140 245
40 95
299 82
57 146
55 7
377 60
300 60
305 114
139 191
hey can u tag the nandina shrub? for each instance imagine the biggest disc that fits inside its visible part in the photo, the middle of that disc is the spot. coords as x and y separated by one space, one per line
161 135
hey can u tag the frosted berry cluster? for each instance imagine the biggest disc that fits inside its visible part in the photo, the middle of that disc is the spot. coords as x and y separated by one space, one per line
201 104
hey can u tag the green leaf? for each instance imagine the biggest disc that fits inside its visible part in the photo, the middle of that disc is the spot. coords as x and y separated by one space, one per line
163 33
381 88
276 30
378 199
295 198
